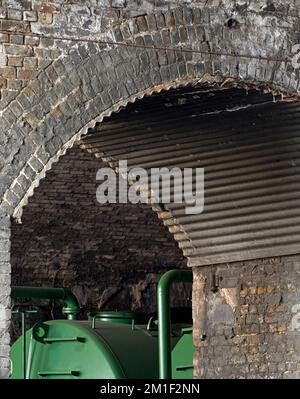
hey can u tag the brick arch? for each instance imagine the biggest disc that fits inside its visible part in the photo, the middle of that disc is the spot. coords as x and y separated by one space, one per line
60 105
92 80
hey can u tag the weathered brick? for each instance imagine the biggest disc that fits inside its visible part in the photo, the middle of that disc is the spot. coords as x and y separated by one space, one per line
14 14
135 71
4 38
16 109
15 61
30 16
32 40
18 50
8 72
45 17
258 329
16 39
3 13
3 83
24 73
14 26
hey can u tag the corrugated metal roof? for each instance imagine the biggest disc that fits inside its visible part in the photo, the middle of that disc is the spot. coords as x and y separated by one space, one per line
249 146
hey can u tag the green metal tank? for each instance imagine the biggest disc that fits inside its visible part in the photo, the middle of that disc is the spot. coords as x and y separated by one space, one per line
109 346
182 356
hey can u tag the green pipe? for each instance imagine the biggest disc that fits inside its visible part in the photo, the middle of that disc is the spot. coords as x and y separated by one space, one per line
24 314
164 319
71 308
24 343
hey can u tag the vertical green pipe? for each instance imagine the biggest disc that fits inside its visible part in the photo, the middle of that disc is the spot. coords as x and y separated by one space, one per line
23 315
164 320
164 329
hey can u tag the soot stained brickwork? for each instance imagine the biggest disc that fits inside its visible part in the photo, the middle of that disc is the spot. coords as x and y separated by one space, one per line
110 255
82 81
55 85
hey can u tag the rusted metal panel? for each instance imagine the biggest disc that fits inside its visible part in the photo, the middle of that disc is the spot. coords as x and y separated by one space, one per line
249 146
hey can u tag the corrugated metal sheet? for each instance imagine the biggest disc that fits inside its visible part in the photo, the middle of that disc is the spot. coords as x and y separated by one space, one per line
249 146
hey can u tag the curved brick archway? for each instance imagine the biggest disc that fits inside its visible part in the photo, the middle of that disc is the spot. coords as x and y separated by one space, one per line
83 80
91 80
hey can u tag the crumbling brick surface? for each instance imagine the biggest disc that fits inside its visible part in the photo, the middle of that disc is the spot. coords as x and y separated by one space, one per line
59 75
5 313
249 327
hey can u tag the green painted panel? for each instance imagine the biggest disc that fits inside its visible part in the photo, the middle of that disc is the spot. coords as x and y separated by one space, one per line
73 349
182 356
63 349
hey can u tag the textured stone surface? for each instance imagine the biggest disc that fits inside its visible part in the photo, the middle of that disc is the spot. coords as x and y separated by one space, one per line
56 81
248 326
5 314
69 77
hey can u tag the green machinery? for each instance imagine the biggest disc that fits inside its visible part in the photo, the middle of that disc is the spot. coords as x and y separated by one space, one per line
106 346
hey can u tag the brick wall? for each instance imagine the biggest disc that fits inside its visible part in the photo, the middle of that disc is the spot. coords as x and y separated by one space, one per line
24 52
5 313
60 75
53 90
110 255
248 324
